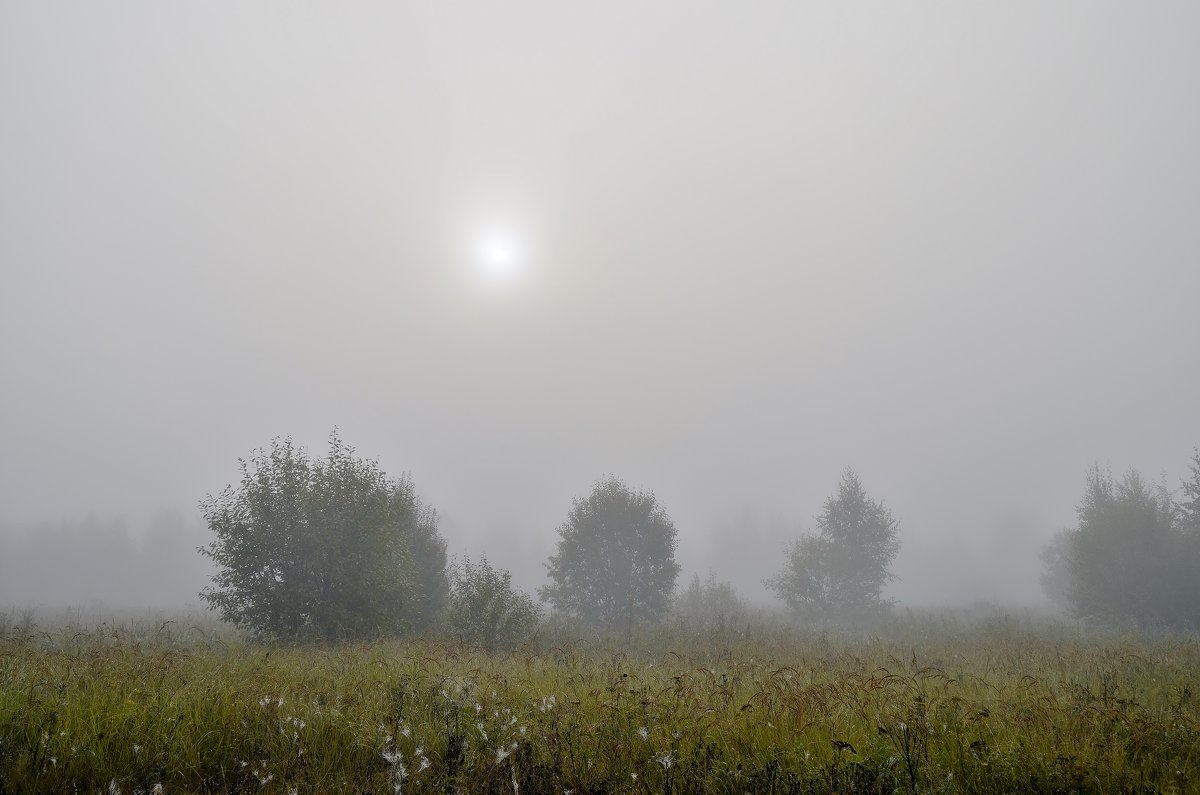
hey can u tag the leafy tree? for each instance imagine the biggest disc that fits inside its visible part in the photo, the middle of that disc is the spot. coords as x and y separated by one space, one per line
1132 557
615 562
839 573
324 548
485 609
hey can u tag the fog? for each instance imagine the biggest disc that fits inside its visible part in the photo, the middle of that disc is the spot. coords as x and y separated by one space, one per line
728 250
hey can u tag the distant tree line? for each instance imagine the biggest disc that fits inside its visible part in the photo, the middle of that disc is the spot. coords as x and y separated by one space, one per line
328 548
331 548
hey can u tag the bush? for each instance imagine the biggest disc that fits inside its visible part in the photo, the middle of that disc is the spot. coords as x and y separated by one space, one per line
709 604
485 609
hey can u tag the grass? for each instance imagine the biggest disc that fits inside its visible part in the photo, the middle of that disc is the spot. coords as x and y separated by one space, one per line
927 705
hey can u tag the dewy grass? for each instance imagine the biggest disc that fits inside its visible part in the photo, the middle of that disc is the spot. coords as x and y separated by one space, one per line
929 708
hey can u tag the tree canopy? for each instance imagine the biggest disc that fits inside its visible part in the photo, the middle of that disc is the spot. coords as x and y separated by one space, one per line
615 561
325 548
839 573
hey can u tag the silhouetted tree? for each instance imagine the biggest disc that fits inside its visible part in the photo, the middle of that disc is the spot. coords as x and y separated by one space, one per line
615 562
839 573
1132 557
323 548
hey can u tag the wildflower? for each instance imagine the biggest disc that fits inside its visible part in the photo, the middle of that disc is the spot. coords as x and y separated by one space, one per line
137 749
393 758
158 789
502 754
407 732
113 789
666 760
903 726
644 733
54 761
479 728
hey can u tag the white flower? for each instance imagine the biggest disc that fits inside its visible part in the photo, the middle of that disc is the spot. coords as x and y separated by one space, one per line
666 760
644 733
137 749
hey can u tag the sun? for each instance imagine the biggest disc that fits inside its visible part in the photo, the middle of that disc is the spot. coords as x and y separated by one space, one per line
498 256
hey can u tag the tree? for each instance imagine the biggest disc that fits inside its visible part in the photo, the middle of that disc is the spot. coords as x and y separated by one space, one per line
839 573
1131 558
615 562
486 609
324 548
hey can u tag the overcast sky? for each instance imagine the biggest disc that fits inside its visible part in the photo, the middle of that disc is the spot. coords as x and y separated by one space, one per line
722 250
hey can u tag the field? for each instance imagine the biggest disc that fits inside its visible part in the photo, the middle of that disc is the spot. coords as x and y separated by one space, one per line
927 704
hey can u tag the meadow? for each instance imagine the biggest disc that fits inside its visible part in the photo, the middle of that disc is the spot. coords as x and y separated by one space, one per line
923 704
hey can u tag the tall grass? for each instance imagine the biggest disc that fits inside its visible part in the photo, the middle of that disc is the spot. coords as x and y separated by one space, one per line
929 704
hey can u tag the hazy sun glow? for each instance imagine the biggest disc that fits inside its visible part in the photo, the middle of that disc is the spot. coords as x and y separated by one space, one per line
498 256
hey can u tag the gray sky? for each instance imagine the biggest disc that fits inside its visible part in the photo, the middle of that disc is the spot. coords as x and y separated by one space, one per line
954 246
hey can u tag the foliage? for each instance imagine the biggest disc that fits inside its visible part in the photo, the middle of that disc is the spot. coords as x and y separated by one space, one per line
485 609
710 604
804 712
615 560
1132 557
323 548
839 573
